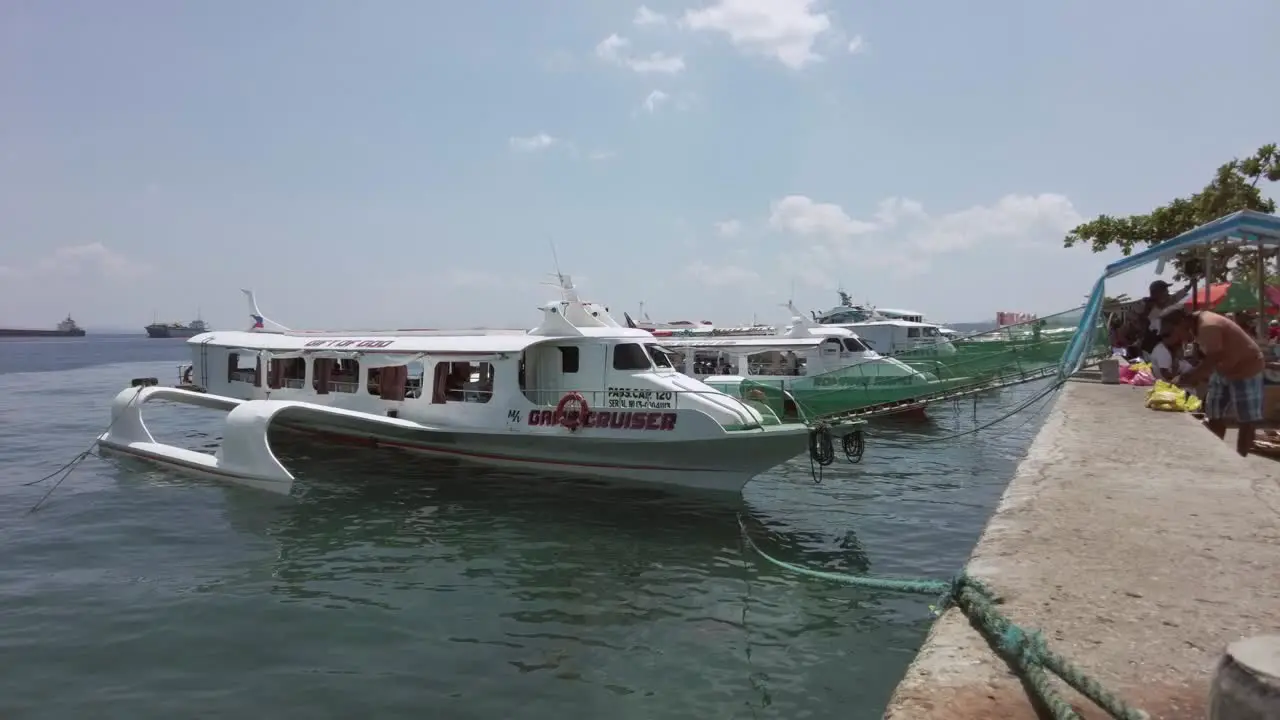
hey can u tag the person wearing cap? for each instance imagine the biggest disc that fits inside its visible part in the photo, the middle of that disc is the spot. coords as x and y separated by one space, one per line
1232 363
1155 306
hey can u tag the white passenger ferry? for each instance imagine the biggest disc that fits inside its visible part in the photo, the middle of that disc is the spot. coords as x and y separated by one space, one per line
578 394
888 331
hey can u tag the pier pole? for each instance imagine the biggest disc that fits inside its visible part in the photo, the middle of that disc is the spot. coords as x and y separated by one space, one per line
1246 685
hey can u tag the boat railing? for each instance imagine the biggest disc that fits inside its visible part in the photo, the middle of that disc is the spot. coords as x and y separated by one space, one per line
652 399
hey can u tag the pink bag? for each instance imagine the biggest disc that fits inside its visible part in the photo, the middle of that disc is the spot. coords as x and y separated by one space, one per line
1143 378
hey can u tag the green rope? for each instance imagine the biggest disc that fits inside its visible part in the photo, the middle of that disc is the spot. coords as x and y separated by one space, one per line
1027 651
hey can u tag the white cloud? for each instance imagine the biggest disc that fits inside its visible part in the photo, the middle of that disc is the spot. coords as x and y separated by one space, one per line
1013 218
729 228
532 143
783 29
900 239
799 215
657 63
654 100
645 16
601 155
857 46
719 275
611 48
91 261
614 49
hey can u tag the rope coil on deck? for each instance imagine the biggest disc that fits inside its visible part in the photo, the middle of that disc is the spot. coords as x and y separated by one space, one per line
1026 650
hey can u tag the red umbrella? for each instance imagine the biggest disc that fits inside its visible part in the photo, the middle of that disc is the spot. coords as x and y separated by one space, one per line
1217 292
1214 292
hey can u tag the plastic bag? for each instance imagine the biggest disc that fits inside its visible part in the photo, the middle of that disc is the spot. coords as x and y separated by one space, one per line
1171 398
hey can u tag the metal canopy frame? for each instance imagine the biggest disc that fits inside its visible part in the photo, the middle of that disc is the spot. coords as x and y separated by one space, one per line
1243 228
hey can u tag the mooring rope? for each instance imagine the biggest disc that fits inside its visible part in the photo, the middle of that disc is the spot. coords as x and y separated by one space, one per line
1038 397
1027 651
70 466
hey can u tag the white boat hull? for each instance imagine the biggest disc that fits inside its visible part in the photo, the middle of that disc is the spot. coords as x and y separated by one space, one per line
722 462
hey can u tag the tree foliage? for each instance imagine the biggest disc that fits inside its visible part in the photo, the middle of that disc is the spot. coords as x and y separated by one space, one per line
1234 187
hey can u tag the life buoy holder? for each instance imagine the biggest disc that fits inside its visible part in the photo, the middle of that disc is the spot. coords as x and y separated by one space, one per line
572 419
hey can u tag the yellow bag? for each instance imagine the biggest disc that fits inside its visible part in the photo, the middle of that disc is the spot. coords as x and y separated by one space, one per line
1170 398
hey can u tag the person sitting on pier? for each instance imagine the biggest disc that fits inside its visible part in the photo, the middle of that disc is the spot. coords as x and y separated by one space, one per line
1232 363
1167 362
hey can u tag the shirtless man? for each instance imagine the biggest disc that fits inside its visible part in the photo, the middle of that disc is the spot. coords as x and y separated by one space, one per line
1233 364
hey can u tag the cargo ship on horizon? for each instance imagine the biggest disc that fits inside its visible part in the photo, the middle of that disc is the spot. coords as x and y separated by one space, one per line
66 328
176 329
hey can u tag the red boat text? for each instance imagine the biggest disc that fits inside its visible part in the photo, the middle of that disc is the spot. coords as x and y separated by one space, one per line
612 419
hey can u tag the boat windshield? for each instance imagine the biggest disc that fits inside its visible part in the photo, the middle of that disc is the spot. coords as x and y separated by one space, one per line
662 357
854 345
631 356
845 315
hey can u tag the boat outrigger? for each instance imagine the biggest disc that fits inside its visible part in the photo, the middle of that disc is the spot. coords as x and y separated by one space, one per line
579 394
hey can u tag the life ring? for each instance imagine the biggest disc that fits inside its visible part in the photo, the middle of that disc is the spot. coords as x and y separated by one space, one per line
572 420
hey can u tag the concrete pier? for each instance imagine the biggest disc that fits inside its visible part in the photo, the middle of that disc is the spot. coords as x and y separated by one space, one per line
1138 543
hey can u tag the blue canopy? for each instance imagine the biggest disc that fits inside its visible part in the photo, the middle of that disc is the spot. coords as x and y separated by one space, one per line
1242 227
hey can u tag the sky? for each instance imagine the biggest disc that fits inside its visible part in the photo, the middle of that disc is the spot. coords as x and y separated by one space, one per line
411 163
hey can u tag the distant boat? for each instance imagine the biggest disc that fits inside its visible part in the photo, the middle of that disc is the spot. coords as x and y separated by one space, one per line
66 328
176 329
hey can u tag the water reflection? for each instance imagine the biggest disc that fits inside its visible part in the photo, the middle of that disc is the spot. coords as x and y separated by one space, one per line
631 591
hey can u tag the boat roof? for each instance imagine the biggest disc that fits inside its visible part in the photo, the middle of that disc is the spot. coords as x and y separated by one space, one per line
895 323
749 344
439 342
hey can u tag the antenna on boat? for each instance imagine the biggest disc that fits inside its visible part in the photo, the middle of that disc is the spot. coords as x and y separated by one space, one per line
555 260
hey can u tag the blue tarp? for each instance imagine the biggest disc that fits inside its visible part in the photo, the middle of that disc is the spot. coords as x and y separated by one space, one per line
1247 225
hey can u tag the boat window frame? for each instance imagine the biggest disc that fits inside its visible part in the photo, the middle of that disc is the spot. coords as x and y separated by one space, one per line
639 347
654 351
857 342
568 359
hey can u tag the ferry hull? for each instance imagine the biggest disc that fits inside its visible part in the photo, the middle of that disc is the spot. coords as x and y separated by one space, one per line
18 332
170 332
719 465
722 463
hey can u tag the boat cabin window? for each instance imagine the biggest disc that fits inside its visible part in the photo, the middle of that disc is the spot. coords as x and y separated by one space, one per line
243 367
463 382
568 359
931 332
662 357
854 345
345 376
413 384
630 356
288 373
711 362
774 362
913 332
391 382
